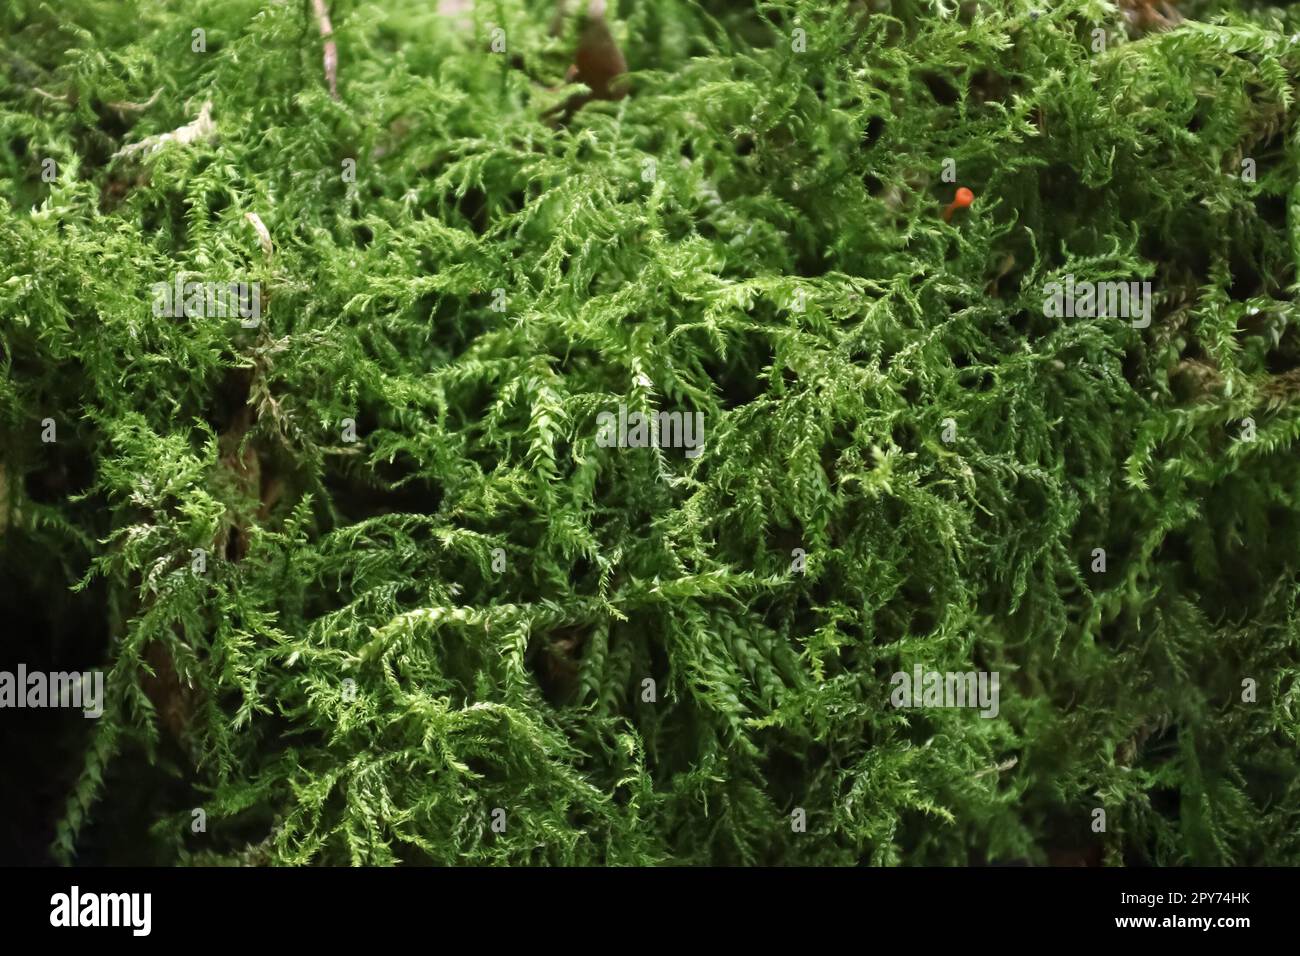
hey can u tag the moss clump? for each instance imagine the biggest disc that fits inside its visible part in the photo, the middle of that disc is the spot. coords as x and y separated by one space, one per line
368 588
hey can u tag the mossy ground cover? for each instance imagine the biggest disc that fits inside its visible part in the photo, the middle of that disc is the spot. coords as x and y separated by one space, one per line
368 586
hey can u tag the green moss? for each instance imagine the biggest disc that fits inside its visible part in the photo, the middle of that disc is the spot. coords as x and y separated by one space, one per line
392 637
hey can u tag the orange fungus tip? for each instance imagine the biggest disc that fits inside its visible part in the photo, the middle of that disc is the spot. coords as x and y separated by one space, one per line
961 200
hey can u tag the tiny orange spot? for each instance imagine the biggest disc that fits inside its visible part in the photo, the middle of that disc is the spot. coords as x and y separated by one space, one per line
963 198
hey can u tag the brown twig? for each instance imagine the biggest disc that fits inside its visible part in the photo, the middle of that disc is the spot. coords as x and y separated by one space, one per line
263 234
56 97
124 106
331 50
